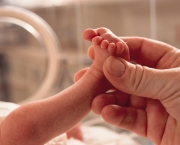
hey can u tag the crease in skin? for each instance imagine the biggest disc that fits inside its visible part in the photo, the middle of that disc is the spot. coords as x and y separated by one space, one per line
176 61
162 62
163 131
119 123
98 75
170 84
156 123
131 117
170 132
138 82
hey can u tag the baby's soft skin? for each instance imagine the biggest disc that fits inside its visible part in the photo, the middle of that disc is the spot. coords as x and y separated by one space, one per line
38 122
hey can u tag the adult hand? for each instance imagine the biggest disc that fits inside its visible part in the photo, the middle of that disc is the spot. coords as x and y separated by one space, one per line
147 100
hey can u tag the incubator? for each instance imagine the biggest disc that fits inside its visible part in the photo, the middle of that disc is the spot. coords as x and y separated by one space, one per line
46 39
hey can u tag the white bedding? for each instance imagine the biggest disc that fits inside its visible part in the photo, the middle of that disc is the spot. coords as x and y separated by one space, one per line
6 108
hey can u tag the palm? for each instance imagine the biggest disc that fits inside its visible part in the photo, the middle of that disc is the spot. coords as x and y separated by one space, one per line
151 120
144 116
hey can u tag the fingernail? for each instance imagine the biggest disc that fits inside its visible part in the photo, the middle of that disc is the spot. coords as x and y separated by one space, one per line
115 66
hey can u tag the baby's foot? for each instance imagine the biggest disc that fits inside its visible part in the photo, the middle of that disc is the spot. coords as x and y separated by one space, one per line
105 44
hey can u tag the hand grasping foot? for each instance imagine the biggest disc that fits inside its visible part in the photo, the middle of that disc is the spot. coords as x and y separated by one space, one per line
105 44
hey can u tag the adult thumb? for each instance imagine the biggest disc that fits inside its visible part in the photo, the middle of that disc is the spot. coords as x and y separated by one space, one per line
141 80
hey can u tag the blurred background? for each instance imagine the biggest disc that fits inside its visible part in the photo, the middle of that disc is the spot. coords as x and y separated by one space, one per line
23 61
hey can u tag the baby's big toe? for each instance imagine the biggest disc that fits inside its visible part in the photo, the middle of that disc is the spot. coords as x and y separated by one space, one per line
89 34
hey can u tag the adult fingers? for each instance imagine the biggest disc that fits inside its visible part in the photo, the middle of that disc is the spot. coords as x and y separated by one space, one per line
150 52
126 117
112 98
140 80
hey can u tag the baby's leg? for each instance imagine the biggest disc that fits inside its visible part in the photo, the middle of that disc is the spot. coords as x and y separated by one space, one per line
39 121
105 44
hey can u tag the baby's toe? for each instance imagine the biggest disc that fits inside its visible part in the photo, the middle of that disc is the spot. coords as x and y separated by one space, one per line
89 34
104 44
120 48
112 48
97 40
